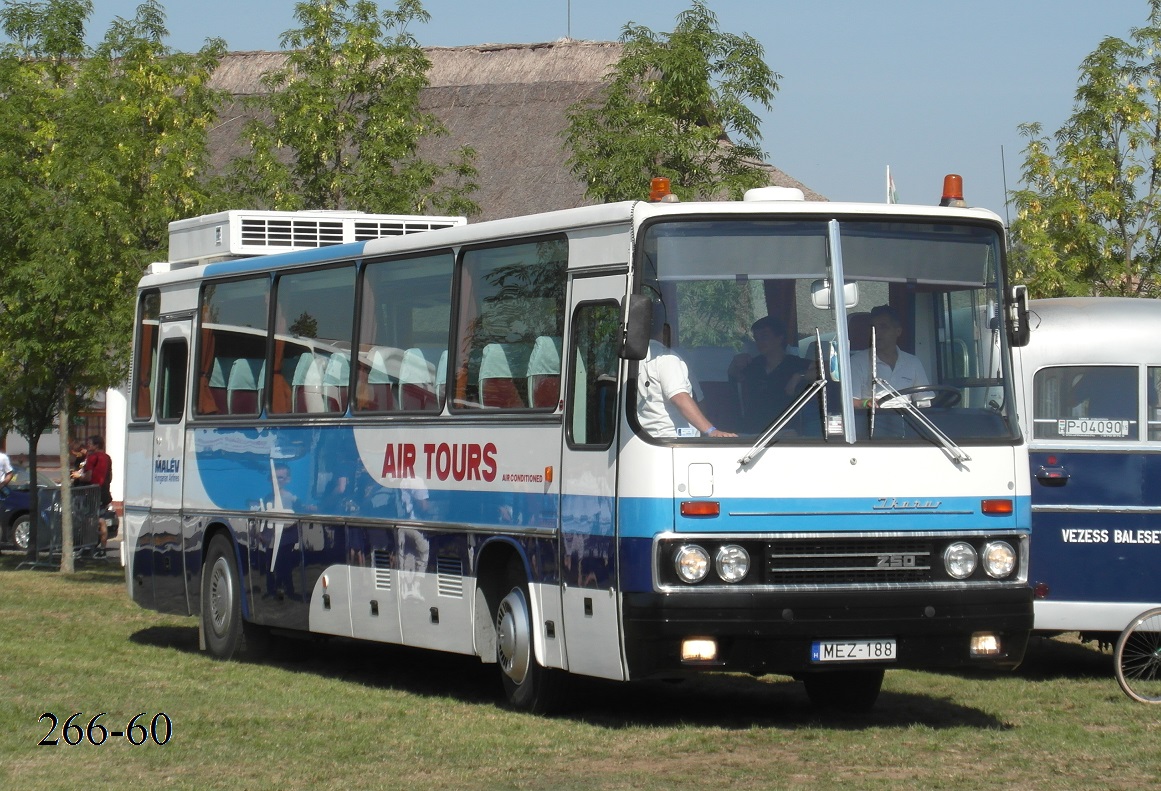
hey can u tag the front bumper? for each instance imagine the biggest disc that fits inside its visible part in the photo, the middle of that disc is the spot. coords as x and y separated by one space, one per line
772 632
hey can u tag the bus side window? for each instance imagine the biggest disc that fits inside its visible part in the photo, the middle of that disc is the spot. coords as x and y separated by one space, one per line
231 356
592 406
171 374
403 331
509 295
1154 413
147 337
1086 402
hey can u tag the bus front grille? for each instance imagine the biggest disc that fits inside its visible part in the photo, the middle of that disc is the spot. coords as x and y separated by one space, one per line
860 561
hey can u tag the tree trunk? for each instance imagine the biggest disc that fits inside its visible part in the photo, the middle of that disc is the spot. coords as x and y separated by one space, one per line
67 565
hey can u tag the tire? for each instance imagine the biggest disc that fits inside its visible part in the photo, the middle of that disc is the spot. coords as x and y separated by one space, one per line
844 690
227 636
21 528
1137 658
527 685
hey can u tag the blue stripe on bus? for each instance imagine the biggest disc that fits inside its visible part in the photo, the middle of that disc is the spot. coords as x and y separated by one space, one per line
264 263
236 468
642 517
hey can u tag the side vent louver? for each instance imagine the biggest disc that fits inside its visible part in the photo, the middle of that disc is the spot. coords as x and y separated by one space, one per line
242 233
293 232
381 562
450 577
377 229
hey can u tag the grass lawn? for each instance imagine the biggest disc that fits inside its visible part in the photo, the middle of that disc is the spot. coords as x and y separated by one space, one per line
344 715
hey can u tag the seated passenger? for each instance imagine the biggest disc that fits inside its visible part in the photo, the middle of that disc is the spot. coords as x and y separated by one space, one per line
895 366
665 405
769 381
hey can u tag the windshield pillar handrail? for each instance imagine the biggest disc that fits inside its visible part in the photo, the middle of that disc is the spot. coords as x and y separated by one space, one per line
838 287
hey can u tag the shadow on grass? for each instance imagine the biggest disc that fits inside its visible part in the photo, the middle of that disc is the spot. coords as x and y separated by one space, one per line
728 701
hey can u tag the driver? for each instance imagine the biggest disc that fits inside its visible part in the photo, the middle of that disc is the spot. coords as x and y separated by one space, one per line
895 366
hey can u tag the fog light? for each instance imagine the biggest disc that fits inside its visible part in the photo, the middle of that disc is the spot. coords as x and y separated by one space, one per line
999 559
960 560
732 563
985 644
699 649
691 563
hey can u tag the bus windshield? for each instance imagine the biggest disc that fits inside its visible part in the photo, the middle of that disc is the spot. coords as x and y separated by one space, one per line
754 307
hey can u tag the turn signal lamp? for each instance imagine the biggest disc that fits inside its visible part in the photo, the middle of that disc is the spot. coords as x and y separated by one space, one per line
953 191
700 508
996 507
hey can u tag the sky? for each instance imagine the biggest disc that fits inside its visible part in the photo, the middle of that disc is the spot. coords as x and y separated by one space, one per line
925 87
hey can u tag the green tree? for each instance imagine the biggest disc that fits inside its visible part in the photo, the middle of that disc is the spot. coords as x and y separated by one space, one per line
101 148
676 105
1087 215
342 125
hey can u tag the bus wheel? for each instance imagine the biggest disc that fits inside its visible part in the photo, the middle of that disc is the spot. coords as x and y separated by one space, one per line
527 685
844 690
225 633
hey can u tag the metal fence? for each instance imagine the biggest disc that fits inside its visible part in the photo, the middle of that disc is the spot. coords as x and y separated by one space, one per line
86 519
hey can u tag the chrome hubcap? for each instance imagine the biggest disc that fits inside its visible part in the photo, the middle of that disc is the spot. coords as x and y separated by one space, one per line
513 638
221 596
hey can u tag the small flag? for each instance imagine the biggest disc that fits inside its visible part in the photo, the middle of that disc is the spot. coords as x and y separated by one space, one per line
892 196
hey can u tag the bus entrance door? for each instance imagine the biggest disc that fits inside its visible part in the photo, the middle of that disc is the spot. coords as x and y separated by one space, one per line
165 535
588 479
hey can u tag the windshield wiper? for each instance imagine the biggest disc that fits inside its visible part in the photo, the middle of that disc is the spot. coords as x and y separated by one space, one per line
788 414
782 420
953 450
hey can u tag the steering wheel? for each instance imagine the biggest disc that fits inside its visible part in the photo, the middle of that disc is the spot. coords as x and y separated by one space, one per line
946 395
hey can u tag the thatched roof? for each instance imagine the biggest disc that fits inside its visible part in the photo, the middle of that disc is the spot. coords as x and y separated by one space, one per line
508 102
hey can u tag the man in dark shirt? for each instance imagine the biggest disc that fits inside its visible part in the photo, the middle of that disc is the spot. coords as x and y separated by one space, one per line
770 380
97 471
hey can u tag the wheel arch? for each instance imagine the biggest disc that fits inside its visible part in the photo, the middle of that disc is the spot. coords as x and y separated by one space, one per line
496 562
220 528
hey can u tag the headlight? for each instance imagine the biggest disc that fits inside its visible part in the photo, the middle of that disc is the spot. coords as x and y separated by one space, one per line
960 560
999 559
732 563
691 562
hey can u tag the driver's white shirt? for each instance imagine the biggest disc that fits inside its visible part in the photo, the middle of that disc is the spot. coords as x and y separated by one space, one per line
662 375
907 372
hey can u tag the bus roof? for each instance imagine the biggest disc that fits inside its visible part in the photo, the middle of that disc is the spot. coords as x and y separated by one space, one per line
1091 330
563 220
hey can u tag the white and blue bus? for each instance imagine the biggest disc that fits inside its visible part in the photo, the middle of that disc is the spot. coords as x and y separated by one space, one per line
1090 376
433 440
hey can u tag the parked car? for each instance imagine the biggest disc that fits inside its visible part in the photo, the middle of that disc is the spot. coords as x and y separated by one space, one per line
14 502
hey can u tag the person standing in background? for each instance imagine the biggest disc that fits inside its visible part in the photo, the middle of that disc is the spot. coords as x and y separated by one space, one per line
98 471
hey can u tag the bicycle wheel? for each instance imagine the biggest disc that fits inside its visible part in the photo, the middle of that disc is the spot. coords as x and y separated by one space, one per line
1137 658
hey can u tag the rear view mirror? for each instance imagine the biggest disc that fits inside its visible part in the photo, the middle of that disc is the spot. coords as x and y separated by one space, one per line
820 294
638 326
1018 330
